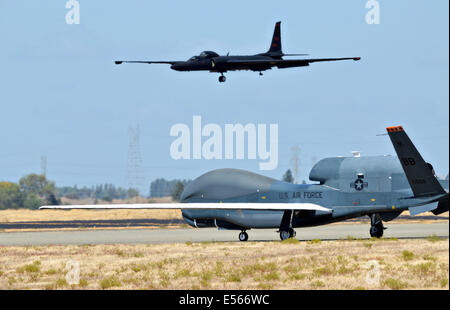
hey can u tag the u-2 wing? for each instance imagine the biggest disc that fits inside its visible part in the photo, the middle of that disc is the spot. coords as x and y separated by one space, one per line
119 62
200 206
288 63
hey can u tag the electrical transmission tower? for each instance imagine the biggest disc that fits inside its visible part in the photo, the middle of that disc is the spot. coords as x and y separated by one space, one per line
295 162
44 165
135 169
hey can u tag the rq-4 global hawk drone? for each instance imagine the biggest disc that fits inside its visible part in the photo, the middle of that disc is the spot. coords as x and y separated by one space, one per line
213 62
381 187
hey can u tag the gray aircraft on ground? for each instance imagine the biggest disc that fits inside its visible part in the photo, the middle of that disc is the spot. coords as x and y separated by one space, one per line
381 187
213 62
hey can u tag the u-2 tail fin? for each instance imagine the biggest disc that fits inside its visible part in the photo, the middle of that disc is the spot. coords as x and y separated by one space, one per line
275 46
419 173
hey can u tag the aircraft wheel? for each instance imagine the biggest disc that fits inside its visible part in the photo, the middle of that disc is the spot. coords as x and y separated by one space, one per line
284 235
376 231
292 233
243 236
222 78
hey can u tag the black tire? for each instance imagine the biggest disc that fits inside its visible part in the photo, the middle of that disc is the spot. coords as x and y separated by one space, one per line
243 236
376 231
292 233
222 78
285 235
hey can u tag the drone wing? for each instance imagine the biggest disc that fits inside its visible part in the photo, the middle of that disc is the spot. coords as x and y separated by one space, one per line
200 206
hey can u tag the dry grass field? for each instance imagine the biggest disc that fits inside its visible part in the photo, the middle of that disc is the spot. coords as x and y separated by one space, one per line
344 264
24 215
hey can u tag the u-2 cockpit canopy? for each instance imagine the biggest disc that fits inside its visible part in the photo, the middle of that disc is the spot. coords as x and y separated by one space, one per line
208 54
204 54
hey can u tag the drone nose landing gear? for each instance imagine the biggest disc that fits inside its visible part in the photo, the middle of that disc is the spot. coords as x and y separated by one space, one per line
243 236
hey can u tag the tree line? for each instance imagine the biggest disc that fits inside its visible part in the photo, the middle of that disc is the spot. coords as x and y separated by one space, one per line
34 190
163 188
106 192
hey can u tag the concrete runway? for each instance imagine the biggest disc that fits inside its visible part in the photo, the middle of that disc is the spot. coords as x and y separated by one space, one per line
150 223
135 236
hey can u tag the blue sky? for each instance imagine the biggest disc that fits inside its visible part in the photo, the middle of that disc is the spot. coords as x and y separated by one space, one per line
61 95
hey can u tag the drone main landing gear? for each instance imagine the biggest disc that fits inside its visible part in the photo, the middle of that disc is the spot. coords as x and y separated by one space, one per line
260 73
286 230
222 78
290 233
376 226
243 236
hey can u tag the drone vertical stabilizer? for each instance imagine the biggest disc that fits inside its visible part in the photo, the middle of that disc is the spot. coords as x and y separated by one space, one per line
419 173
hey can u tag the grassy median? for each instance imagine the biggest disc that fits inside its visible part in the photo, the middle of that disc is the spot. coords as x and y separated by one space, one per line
316 264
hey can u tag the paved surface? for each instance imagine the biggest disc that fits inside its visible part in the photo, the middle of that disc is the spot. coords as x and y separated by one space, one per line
130 236
89 224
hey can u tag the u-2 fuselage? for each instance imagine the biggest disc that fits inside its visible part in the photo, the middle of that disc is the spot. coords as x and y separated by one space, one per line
221 64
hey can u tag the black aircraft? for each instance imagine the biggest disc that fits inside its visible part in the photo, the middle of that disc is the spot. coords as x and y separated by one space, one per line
213 62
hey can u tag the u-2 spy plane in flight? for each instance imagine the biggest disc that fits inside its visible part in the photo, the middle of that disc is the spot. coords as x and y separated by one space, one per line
213 62
381 187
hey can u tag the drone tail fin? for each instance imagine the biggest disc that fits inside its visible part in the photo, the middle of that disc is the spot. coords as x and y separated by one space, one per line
419 173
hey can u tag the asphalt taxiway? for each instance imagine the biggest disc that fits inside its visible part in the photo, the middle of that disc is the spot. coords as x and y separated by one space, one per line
139 236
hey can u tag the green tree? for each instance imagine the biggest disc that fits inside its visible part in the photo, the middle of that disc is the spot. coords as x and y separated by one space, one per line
177 191
36 184
131 193
287 176
32 201
162 187
10 196
36 187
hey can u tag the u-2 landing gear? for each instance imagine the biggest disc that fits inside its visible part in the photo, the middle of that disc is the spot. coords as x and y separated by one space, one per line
222 78
376 226
243 236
